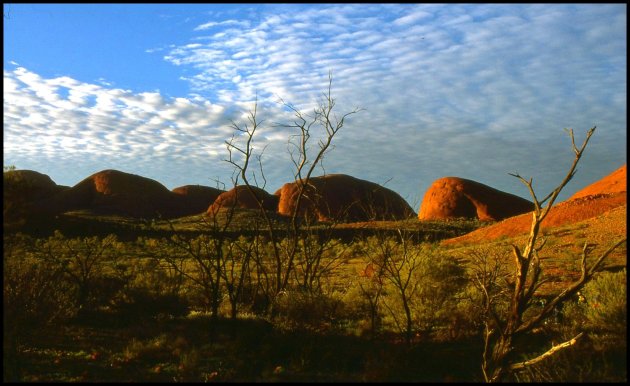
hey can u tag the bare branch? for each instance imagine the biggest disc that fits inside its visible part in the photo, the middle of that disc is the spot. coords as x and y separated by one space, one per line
548 353
573 288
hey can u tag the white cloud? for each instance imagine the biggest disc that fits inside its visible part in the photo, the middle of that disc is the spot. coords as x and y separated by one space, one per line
212 24
140 129
441 85
412 17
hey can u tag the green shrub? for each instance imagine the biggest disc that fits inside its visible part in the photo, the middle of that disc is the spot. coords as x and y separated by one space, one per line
34 293
605 308
298 309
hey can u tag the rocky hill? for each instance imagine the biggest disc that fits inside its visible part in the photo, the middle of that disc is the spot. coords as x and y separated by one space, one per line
591 202
453 197
344 198
615 182
242 198
197 198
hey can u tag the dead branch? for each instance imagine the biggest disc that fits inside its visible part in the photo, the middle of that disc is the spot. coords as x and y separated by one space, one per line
548 353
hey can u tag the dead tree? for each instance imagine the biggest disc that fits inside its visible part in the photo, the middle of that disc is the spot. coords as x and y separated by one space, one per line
286 250
501 329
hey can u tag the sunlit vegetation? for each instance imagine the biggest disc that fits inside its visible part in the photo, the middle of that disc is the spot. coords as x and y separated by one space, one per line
379 308
249 295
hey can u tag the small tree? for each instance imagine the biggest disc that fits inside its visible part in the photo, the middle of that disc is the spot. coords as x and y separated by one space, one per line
289 245
84 262
220 264
35 296
501 328
416 278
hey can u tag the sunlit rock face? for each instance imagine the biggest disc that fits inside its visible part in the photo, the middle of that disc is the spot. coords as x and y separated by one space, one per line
615 182
120 193
453 197
241 197
197 198
339 197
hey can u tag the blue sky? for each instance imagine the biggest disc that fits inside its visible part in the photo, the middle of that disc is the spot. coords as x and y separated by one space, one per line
474 91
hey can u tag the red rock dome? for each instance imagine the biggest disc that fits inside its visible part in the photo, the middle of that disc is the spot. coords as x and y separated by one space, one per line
116 192
197 198
23 192
452 197
605 196
344 198
241 197
30 185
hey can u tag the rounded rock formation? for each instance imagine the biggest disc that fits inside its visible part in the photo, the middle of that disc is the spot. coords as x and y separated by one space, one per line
30 185
603 197
453 197
339 197
116 192
197 198
23 193
241 197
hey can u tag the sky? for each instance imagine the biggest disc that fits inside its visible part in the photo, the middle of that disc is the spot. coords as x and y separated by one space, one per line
473 91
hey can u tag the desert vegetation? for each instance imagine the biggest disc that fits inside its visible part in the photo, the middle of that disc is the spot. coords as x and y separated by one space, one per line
243 293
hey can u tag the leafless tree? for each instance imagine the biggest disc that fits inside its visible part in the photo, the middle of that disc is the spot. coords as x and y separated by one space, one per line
290 244
399 262
501 328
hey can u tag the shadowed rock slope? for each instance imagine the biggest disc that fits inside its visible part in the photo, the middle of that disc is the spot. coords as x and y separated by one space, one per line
30 185
119 193
197 198
453 197
343 198
23 192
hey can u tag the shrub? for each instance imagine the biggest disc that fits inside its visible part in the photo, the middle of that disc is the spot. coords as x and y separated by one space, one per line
304 310
33 292
142 303
605 308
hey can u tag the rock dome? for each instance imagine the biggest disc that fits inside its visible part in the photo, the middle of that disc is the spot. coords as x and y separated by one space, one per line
453 197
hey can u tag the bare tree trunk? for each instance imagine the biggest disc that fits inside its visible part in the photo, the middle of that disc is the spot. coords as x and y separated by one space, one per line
500 331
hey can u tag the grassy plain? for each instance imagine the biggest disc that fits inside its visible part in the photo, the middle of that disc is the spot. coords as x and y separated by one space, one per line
321 338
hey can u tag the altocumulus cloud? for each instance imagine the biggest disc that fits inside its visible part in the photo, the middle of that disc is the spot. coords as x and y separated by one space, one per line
475 91
92 128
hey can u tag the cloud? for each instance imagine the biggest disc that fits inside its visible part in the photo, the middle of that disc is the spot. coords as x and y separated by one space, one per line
96 125
412 18
467 90
212 24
